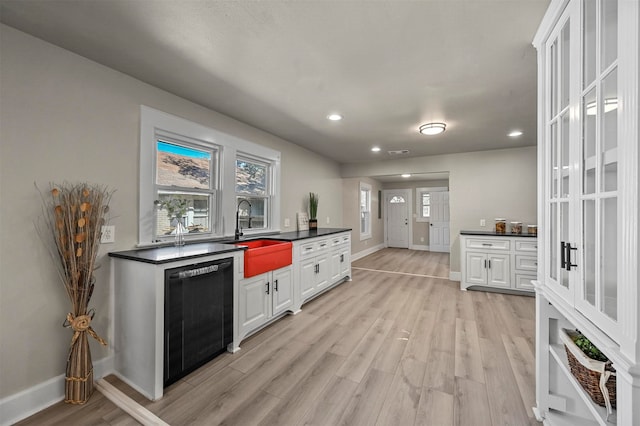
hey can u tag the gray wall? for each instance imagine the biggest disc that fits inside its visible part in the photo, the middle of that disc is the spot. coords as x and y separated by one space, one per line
482 185
67 118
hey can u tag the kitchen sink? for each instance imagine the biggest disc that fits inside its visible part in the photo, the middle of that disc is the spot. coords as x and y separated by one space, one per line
262 256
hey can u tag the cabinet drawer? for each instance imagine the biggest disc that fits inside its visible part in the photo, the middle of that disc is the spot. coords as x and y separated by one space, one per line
313 248
530 246
340 240
523 282
526 263
488 244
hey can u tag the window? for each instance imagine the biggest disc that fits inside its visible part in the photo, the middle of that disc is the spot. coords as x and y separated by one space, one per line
365 211
185 172
423 202
252 193
192 164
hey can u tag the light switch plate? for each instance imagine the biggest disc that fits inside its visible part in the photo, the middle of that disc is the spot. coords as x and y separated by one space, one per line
287 222
482 222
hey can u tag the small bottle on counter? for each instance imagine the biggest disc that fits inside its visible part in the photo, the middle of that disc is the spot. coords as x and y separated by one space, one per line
501 226
532 229
516 227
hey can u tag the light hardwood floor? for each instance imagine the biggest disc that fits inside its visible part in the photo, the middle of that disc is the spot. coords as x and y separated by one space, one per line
396 346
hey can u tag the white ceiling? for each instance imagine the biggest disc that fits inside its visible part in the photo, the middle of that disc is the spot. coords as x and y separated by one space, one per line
282 66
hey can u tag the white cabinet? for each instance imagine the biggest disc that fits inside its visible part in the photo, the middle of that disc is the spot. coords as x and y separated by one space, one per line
340 257
314 266
262 298
496 261
588 200
320 263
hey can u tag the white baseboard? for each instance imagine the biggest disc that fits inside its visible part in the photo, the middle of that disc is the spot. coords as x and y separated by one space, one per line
25 403
419 247
367 252
454 276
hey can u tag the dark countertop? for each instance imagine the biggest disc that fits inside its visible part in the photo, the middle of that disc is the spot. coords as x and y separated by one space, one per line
495 234
167 254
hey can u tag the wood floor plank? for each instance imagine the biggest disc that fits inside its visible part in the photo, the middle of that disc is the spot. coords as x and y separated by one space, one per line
332 403
470 404
468 361
507 406
401 404
358 362
303 397
366 403
522 362
436 408
440 369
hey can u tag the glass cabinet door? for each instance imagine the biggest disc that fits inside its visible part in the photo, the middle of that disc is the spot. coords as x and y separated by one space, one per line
558 153
598 296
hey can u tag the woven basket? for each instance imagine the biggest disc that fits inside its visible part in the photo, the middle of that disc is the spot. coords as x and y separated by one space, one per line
588 372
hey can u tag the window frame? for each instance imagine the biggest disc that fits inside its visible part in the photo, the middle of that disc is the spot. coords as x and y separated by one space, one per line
365 187
269 188
155 123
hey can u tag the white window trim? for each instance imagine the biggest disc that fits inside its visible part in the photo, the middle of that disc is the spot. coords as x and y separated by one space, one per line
419 192
154 123
365 235
272 190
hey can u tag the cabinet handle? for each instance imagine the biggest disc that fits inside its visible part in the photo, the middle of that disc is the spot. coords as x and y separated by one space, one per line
489 264
317 268
275 285
563 254
341 258
568 256
267 284
485 264
323 245
487 244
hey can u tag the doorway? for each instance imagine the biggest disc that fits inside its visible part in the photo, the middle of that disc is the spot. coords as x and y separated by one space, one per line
397 204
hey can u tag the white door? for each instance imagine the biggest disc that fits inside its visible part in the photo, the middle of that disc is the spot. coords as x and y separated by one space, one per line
439 222
397 209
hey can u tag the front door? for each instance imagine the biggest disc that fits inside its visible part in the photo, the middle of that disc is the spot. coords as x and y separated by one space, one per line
439 222
397 209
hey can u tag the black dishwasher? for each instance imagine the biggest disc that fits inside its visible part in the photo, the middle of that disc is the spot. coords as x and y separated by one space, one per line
198 315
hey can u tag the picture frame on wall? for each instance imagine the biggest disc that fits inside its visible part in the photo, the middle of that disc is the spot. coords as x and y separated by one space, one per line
303 221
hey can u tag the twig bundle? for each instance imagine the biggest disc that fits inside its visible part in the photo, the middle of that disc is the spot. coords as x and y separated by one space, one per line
73 215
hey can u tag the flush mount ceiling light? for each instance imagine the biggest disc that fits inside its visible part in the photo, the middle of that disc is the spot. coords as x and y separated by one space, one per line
334 117
515 133
375 149
406 175
432 128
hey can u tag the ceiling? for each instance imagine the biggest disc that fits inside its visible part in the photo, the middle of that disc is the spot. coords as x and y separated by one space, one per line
387 66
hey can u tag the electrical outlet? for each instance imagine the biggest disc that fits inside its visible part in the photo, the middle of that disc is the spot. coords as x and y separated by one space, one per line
482 222
328 220
108 234
287 222
422 239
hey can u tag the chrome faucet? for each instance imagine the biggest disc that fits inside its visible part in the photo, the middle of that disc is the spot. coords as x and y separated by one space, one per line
238 230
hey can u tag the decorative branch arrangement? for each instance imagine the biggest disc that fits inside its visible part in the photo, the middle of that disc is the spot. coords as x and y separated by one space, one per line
70 227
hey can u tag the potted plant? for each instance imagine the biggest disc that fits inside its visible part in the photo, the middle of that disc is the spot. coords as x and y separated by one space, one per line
591 368
313 210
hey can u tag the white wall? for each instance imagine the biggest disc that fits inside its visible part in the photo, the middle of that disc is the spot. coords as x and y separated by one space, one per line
482 185
67 118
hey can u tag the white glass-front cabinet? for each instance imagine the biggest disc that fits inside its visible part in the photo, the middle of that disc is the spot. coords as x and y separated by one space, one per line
588 59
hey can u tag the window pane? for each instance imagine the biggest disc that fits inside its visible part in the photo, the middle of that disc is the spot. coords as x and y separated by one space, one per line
252 215
179 165
609 254
251 178
397 200
589 114
564 66
609 29
192 209
589 42
609 155
589 250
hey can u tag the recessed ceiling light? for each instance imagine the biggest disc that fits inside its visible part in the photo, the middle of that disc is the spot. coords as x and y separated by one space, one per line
432 128
375 149
406 175
515 133
334 117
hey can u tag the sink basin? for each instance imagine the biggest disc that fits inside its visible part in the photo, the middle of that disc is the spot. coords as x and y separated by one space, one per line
265 255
